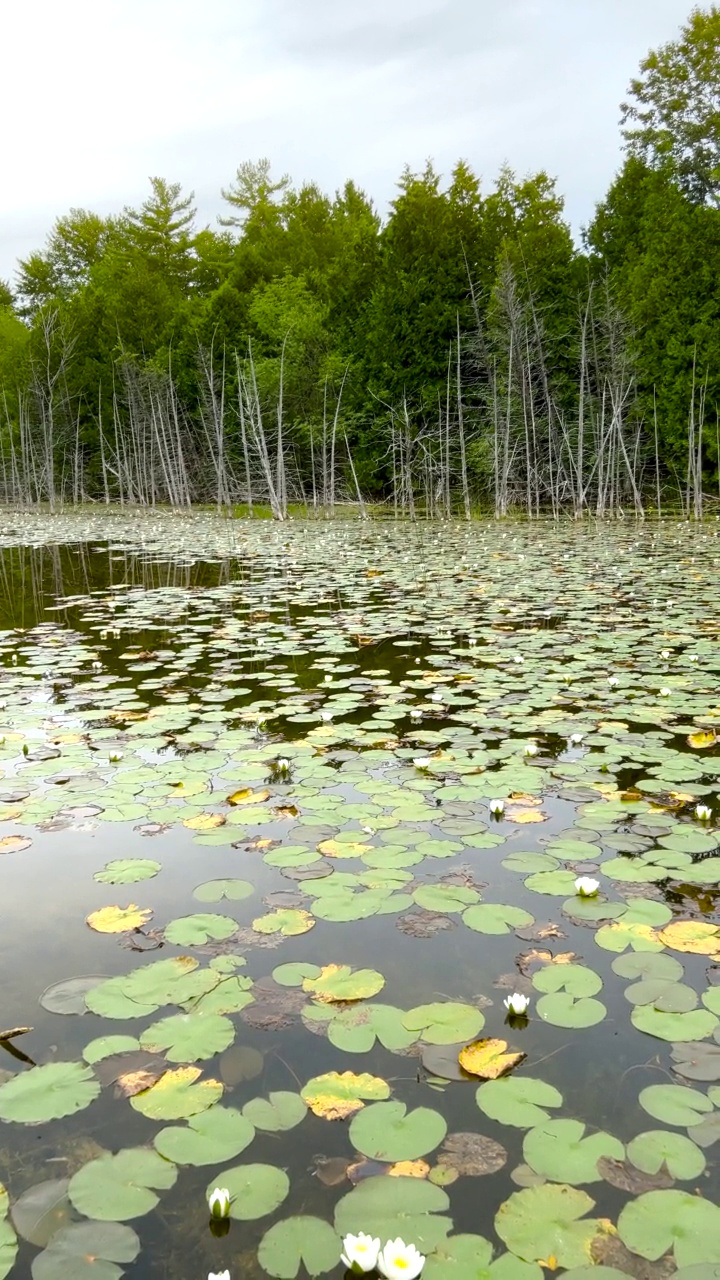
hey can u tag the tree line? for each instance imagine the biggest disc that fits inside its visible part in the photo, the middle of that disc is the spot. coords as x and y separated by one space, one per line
462 353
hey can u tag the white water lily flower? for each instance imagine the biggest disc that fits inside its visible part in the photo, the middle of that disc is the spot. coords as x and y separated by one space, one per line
664 653
219 1202
218 1275
575 739
415 713
703 812
665 692
530 749
360 1253
517 1004
283 764
497 807
517 657
586 887
612 680
436 697
400 1261
326 715
421 762
693 657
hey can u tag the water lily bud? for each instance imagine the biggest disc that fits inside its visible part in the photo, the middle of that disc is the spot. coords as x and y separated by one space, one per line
400 1261
218 1275
219 1202
283 764
421 762
665 692
693 657
517 1004
703 812
497 807
517 657
575 739
415 713
586 887
326 715
360 1253
612 680
530 749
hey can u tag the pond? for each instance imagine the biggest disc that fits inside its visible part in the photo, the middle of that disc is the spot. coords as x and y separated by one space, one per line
288 814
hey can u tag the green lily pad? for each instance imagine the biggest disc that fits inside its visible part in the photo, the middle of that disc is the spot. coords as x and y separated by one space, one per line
559 883
212 1137
339 982
649 1151
149 987
114 1188
216 890
189 1037
445 897
106 1046
68 996
287 921
548 1222
387 1131
666 997
255 1189
8 1249
127 871
294 973
564 1010
355 1030
649 966
87 1249
299 1241
518 1100
660 1220
674 1104
467 1257
495 918
573 978
444 1022
195 931
277 1113
389 1207
48 1093
41 1211
675 1027
177 1095
560 1151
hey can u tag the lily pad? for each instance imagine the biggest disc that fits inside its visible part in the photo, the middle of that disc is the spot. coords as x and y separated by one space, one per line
561 1151
299 1241
196 930
255 1189
660 1220
518 1101
114 1188
87 1249
388 1131
287 921
336 1095
488 1059
411 1208
48 1093
549 1222
127 871
189 1037
216 890
444 1022
277 1113
650 1151
212 1137
468 1257
494 918
338 982
177 1095
674 1104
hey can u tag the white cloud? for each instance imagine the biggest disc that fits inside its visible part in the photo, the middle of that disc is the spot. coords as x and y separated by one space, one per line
97 95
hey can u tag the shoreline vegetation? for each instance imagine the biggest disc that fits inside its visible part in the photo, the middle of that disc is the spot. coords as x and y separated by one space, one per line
463 355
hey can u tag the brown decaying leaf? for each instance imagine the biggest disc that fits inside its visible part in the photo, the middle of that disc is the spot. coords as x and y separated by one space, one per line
424 924
609 1251
135 1081
331 1171
129 1066
472 1154
528 961
624 1176
363 1168
540 932
275 1007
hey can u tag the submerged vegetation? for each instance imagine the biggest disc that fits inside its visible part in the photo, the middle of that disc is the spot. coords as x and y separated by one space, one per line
318 941
462 353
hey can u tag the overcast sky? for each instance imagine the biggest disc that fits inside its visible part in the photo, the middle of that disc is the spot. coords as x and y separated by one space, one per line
97 95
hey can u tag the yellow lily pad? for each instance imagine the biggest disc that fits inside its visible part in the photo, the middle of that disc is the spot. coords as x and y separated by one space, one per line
695 937
488 1059
343 848
248 796
204 821
702 739
337 1095
119 919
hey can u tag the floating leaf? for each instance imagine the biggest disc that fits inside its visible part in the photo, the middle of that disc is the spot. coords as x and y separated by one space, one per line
87 1249
335 1095
119 919
674 1104
338 982
696 1061
255 1189
391 1207
444 1022
216 890
548 1222
248 796
695 937
661 1220
695 1025
650 1151
488 1059
212 1137
177 1095
114 1188
189 1037
560 1151
701 739
471 1155
196 930
290 923
293 974
387 1131
573 978
277 1113
127 871
48 1093
107 1046
68 996
41 1211
467 1257
494 918
299 1241
518 1100
445 897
